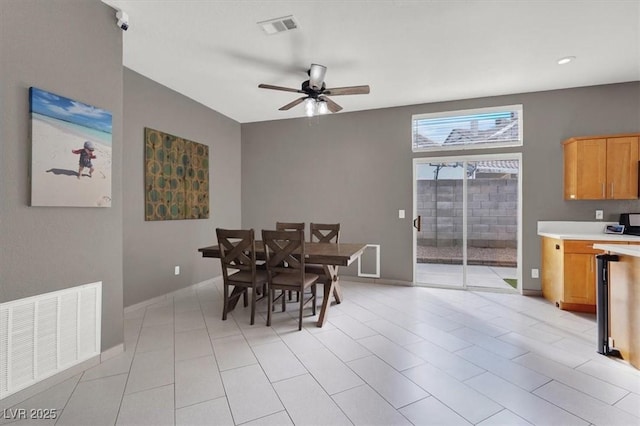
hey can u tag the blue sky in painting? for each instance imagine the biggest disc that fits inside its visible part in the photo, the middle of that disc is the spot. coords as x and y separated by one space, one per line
66 109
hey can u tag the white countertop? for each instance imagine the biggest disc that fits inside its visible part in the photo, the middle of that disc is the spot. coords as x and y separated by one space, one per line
592 231
620 249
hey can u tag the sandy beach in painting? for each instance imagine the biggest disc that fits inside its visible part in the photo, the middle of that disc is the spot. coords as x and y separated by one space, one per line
54 168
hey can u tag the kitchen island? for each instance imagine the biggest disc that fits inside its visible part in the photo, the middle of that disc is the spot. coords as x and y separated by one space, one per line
624 300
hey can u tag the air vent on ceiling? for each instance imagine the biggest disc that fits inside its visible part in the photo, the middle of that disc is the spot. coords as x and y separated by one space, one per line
278 25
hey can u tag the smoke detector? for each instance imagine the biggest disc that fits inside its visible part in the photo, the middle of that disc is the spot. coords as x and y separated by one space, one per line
278 25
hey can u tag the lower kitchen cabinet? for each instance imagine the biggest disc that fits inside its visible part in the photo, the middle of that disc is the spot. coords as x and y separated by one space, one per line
569 273
579 280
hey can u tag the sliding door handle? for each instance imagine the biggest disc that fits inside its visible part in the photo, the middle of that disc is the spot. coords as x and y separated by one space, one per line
417 222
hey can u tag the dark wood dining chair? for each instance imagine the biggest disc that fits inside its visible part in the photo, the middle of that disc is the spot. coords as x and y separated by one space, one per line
238 259
289 226
286 269
322 233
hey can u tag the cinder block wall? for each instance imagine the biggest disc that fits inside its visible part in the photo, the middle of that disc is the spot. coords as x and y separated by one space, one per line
493 208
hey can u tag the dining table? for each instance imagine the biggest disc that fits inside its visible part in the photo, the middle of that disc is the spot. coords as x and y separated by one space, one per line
330 255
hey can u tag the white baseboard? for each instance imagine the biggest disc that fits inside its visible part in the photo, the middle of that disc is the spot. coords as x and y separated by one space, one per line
375 280
145 303
111 352
533 293
167 296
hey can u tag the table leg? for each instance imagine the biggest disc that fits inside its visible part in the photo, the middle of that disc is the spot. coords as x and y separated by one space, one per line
331 287
337 290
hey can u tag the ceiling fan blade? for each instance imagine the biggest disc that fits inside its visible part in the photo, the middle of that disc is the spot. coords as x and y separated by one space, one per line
333 107
284 89
351 90
292 104
316 75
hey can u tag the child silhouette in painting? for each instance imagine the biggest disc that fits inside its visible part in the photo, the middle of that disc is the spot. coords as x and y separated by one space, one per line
86 155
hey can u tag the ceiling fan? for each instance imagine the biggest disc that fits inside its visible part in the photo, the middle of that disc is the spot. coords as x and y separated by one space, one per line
316 93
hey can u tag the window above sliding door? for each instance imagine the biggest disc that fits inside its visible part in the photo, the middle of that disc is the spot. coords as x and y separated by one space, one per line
467 129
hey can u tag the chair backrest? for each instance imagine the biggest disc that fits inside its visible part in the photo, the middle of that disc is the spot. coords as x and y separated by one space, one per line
289 226
237 250
284 251
324 232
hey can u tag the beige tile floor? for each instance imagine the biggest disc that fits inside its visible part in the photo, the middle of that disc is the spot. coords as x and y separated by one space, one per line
388 355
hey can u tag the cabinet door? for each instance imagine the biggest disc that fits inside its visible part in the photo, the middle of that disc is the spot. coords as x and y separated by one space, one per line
622 168
591 169
579 278
570 158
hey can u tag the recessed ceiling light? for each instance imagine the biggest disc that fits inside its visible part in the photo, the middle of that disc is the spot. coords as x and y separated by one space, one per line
566 60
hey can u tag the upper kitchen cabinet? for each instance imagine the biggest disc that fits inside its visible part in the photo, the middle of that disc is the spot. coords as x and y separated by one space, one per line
601 168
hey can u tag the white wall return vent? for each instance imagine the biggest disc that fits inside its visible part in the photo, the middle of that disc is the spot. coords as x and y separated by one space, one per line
279 25
45 334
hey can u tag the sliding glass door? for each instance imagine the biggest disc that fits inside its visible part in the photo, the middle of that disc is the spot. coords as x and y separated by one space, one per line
468 211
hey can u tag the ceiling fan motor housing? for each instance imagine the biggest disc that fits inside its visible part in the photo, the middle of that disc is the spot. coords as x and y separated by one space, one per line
311 91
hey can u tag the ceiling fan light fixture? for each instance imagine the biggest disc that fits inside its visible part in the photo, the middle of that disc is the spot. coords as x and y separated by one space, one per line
310 107
323 108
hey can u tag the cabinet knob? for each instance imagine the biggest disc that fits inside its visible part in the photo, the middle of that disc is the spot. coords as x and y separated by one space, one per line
557 246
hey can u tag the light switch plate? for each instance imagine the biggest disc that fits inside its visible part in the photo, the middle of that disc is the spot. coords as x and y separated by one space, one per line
400 214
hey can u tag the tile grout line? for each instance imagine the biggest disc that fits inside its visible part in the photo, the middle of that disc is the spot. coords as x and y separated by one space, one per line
131 366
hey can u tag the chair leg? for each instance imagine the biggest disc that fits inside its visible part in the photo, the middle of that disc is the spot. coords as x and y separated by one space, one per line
301 297
225 301
284 301
269 306
245 297
290 293
315 295
253 304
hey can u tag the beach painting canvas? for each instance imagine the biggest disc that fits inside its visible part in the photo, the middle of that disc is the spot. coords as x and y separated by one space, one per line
71 152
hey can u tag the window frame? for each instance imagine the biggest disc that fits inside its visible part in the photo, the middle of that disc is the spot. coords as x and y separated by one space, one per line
469 112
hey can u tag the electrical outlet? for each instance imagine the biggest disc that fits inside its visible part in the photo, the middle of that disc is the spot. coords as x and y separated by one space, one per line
400 214
535 273
599 214
176 270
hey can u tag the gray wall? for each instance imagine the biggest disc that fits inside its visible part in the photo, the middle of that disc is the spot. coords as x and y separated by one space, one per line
356 168
152 249
74 49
